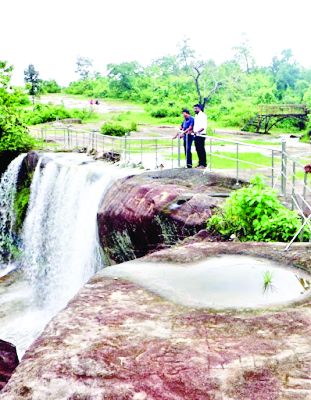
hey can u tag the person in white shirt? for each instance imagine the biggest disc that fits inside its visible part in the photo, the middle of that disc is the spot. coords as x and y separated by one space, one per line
199 131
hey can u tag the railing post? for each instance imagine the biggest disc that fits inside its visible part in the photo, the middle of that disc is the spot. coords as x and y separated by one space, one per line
178 151
293 183
237 163
210 154
156 151
283 168
125 147
272 168
172 141
304 191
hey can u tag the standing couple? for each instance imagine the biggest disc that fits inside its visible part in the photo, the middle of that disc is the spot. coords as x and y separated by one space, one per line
194 129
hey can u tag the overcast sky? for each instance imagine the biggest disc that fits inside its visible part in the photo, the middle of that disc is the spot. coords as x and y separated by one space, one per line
51 33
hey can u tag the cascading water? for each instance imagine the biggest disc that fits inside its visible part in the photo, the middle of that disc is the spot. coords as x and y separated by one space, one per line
60 250
7 214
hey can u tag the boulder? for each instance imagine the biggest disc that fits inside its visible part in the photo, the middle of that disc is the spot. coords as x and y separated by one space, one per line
8 362
27 169
144 212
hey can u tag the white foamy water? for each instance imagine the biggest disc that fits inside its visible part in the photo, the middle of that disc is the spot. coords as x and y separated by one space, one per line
7 215
61 250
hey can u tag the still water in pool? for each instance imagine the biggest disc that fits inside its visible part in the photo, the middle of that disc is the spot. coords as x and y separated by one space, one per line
228 281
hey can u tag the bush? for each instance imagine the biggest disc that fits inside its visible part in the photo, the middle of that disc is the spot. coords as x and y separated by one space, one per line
13 133
114 129
47 113
255 213
306 137
166 111
50 86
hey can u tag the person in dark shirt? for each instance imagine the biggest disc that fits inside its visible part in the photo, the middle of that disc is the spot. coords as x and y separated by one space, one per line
185 132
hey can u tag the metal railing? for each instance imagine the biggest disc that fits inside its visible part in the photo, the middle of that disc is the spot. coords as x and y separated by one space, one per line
283 172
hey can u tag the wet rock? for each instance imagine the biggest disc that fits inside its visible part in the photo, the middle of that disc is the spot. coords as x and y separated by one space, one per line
116 340
146 212
27 169
8 362
109 156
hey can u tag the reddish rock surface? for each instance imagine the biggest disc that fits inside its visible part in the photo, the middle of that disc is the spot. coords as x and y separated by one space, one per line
8 362
144 212
117 341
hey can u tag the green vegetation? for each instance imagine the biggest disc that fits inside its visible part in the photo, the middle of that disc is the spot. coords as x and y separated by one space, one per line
13 132
47 112
33 83
232 91
255 213
21 205
267 280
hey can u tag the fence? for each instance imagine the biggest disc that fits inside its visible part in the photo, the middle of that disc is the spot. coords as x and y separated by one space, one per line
235 159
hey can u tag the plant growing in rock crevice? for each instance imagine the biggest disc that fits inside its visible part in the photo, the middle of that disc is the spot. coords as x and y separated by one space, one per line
254 213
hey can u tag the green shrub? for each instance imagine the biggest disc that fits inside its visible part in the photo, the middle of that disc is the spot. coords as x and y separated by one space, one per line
133 126
13 133
115 129
165 111
255 213
306 137
47 113
112 129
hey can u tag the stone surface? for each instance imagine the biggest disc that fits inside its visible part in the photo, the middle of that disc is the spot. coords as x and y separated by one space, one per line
144 212
117 341
8 362
27 168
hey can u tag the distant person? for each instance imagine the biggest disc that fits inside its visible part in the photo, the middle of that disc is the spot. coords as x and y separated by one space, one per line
91 102
199 131
185 132
97 102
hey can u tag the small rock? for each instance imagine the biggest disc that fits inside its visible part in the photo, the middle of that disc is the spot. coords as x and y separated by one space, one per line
8 362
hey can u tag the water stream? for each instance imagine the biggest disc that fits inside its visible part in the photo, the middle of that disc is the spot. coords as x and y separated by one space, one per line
7 215
60 248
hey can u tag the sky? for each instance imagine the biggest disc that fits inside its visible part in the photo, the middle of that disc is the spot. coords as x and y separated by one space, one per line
51 34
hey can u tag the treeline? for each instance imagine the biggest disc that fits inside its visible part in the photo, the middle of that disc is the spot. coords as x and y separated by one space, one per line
232 91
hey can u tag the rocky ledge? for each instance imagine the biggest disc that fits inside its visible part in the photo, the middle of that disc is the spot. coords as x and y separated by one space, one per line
117 341
145 212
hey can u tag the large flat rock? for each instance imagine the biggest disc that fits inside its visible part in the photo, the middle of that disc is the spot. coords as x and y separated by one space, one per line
117 340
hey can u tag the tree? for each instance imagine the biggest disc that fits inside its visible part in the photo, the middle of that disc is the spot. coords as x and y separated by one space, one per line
285 71
84 67
50 86
243 55
31 77
122 77
196 68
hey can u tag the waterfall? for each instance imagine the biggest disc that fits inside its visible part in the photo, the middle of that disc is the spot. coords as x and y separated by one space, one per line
60 246
61 250
7 214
